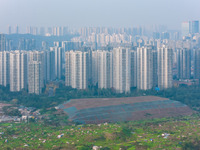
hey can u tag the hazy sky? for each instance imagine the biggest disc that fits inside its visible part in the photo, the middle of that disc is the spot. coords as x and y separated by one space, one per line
117 13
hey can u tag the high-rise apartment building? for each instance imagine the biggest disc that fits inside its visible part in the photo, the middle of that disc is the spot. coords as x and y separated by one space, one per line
133 68
184 63
105 71
18 71
190 27
121 69
59 52
38 56
95 65
155 68
4 68
144 68
194 27
76 71
47 59
2 42
185 27
16 29
9 30
35 77
165 60
196 64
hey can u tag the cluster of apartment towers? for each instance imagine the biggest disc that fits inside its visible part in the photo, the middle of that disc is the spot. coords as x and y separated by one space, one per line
120 68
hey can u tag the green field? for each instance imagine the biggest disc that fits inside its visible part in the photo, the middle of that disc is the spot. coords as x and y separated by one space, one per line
166 133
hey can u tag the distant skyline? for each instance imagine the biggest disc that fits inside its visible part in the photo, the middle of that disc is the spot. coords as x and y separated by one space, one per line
109 13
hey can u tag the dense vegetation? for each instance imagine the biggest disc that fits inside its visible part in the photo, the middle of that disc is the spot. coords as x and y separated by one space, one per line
188 95
166 133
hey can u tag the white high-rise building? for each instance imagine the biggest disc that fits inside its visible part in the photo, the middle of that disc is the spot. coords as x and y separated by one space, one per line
76 74
95 65
38 56
105 71
196 64
121 69
184 63
165 60
35 77
144 68
4 68
155 68
47 58
49 71
18 71
59 52
133 68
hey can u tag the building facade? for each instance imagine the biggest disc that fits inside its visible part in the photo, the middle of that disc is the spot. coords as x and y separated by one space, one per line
76 71
184 63
121 69
35 77
105 71
4 68
165 60
133 68
144 68
18 71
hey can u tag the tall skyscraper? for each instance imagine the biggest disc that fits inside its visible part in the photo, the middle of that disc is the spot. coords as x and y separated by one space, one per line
185 28
35 77
133 68
47 60
165 60
49 70
17 29
155 68
38 56
76 74
165 35
18 71
57 31
184 63
121 69
4 68
144 68
105 71
2 42
190 27
59 52
194 27
95 65
196 64
9 30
